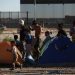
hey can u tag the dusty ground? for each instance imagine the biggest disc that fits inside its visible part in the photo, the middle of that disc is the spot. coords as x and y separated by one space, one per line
10 32
35 70
39 71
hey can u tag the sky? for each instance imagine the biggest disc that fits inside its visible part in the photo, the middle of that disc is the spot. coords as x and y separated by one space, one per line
9 5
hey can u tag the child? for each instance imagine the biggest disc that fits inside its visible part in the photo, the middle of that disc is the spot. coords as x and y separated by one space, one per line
17 43
16 40
15 55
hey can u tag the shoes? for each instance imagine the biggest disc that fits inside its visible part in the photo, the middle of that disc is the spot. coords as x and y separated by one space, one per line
21 66
12 68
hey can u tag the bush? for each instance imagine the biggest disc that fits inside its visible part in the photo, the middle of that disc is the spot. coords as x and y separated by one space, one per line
7 39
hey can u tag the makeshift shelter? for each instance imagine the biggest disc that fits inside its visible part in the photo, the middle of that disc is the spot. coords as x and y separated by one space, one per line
59 51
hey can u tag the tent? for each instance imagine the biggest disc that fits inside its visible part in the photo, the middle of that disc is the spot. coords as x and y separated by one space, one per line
59 51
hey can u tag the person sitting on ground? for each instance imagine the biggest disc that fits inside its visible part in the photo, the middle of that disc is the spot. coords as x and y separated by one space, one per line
61 32
72 31
15 56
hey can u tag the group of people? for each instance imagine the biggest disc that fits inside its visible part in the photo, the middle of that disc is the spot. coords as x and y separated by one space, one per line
30 45
28 41
27 44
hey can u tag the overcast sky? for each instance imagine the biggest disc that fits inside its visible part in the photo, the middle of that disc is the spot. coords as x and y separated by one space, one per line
9 5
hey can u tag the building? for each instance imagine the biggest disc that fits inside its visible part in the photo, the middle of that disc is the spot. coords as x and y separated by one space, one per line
48 11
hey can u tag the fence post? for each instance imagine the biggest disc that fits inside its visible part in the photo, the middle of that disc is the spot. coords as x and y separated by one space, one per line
18 15
27 17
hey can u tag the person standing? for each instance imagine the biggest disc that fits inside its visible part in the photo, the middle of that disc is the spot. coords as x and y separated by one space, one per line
37 29
22 32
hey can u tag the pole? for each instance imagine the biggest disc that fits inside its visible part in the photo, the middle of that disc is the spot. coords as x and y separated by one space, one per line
34 9
27 17
18 15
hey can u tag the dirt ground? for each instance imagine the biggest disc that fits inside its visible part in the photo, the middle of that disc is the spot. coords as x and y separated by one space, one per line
39 71
11 31
35 70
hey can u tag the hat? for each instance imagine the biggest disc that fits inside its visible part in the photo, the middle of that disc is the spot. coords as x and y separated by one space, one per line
21 22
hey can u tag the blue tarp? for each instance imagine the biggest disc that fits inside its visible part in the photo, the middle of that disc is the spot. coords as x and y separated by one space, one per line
60 50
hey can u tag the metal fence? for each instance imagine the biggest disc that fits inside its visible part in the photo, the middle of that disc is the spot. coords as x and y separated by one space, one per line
11 19
12 15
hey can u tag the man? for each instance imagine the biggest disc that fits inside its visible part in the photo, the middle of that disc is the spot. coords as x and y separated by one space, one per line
37 29
22 32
